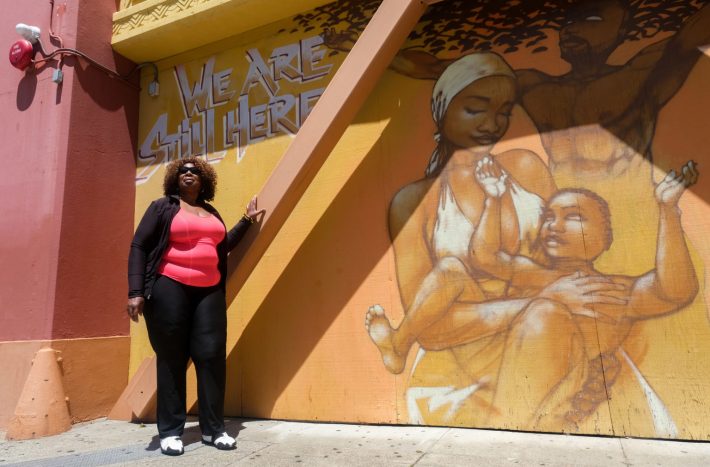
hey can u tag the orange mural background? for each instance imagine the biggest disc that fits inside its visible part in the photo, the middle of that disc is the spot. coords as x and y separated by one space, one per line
298 347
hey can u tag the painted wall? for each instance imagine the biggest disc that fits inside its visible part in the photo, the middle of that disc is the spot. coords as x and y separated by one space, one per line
71 148
69 197
371 304
100 146
36 144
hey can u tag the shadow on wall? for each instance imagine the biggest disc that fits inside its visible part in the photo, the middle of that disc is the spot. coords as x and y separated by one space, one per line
301 307
92 80
280 332
26 89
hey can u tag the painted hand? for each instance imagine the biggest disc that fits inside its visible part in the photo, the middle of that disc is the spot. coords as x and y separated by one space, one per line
671 188
580 292
491 177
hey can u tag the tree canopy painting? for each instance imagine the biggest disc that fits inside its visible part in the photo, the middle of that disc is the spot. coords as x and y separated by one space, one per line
461 25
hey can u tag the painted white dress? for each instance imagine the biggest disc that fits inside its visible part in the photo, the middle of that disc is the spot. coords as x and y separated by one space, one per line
451 238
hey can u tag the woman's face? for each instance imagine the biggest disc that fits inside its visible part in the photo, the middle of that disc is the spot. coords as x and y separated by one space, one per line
480 113
574 227
189 177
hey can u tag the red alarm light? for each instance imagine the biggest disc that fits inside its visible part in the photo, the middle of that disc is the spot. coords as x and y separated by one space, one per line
21 54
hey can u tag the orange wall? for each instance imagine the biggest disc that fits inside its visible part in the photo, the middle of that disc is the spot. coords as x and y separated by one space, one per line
92 384
298 347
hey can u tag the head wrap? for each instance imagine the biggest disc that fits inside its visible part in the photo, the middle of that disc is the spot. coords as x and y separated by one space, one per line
453 80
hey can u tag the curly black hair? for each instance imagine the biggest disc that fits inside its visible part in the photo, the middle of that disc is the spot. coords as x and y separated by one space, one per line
208 177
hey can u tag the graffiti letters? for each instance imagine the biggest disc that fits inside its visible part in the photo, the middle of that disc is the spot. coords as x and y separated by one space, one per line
216 117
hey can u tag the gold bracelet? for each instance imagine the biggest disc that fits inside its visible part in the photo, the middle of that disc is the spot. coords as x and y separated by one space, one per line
246 217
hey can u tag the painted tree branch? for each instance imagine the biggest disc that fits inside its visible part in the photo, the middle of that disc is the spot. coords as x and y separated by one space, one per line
507 25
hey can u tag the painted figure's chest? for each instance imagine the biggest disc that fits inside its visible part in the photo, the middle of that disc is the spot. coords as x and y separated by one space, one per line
566 104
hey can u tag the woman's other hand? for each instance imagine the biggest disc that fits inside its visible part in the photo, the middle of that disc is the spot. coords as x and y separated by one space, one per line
135 307
252 210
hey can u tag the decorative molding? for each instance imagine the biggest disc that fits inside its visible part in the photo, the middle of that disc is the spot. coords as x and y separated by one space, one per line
152 30
145 13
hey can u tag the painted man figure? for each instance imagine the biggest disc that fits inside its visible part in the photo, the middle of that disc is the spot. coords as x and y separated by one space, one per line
595 119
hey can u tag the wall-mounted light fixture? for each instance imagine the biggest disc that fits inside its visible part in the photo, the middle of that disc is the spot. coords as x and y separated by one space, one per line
30 33
23 51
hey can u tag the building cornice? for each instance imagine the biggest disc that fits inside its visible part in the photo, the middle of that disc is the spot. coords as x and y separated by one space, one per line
155 29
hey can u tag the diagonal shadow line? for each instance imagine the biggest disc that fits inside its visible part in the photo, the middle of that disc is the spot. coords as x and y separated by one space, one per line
280 340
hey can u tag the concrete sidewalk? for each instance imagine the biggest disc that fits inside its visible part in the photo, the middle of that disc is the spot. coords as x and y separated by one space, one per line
276 443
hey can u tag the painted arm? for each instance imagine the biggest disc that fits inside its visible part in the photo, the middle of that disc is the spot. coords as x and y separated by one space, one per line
673 283
528 79
529 171
486 248
418 64
414 63
578 292
673 59
694 33
407 229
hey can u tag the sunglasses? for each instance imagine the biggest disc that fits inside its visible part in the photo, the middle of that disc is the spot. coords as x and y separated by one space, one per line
193 170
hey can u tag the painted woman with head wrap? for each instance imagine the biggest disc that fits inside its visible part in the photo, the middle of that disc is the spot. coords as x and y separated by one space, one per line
432 220
457 313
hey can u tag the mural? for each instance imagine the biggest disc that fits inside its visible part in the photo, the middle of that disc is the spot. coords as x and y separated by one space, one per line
526 279
518 211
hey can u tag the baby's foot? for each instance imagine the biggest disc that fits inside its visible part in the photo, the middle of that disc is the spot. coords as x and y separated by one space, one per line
381 333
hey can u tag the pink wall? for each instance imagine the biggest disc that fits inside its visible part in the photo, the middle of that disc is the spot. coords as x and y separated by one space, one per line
67 186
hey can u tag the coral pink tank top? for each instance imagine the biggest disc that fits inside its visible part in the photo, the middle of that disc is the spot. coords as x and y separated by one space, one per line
191 257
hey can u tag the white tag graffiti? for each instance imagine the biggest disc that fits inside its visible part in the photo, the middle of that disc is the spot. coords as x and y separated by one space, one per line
206 101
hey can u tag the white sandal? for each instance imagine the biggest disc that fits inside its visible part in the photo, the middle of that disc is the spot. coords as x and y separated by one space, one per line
221 441
171 445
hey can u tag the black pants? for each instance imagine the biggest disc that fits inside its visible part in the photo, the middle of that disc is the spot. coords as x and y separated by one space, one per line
188 322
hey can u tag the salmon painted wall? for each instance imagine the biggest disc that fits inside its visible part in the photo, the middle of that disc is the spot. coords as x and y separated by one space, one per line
494 242
100 148
69 196
68 211
35 144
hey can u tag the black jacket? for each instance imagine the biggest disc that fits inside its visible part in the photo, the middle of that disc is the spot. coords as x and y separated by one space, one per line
151 240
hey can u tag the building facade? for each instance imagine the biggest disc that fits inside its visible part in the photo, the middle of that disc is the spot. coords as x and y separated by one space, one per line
493 239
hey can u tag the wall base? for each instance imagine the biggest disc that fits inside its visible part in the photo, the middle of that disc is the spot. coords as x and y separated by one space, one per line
95 371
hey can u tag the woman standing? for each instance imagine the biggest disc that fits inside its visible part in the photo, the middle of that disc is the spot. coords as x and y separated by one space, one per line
177 278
